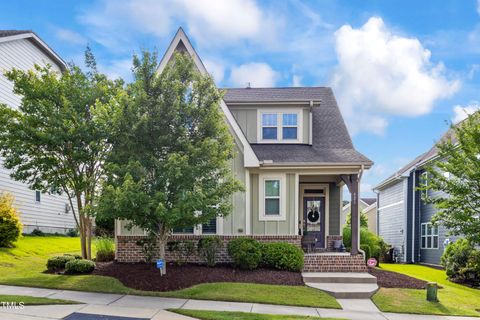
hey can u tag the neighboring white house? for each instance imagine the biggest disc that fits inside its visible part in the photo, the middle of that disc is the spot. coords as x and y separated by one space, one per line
22 49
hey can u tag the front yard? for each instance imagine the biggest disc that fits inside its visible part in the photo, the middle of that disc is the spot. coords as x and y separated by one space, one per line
454 299
24 265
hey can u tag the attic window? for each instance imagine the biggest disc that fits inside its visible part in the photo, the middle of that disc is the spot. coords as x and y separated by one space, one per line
283 126
269 126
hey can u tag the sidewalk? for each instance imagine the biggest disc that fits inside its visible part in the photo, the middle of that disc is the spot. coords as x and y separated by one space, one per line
141 307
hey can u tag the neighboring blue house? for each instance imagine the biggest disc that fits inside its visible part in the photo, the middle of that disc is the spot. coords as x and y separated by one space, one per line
404 219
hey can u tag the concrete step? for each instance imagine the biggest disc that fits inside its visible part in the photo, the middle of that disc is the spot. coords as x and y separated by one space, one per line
338 277
347 290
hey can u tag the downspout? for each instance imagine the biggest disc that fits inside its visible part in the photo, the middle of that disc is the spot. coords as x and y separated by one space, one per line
413 213
310 123
360 174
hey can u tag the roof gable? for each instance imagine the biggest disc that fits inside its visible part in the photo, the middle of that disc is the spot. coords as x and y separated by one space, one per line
11 35
181 43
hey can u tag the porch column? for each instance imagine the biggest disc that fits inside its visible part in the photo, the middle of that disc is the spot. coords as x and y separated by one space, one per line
352 184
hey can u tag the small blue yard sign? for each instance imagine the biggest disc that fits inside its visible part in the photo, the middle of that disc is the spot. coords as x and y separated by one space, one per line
160 264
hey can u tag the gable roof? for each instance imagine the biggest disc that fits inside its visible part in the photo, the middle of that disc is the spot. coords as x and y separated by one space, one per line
420 160
181 43
331 142
369 201
293 94
10 35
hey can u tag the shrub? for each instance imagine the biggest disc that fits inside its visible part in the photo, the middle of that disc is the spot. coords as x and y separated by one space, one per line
76 256
58 263
375 243
72 232
105 249
462 261
246 253
37 232
79 266
367 250
207 247
148 245
10 226
282 256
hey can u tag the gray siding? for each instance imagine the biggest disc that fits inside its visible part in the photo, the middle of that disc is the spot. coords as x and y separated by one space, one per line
246 118
427 211
235 223
392 214
48 215
334 209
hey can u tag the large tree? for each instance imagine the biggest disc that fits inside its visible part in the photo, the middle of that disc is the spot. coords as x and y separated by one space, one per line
170 166
456 173
58 138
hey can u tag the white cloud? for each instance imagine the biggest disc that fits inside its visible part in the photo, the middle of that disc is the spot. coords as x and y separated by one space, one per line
462 112
215 68
258 74
211 22
70 36
380 73
121 68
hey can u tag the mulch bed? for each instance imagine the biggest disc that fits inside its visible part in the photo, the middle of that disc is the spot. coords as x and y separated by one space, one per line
388 279
147 277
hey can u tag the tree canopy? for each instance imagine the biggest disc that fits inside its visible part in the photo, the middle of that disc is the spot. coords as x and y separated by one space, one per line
455 175
59 137
171 161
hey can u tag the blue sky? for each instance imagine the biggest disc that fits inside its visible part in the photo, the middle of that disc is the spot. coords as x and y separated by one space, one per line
401 70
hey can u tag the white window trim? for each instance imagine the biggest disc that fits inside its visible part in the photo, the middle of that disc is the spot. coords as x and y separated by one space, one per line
283 198
428 236
424 181
35 197
279 113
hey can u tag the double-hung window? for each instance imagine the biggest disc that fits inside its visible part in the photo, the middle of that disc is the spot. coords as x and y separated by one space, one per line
429 236
272 197
280 126
289 126
269 126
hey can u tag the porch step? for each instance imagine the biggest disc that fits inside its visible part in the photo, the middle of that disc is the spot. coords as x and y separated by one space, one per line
347 290
338 277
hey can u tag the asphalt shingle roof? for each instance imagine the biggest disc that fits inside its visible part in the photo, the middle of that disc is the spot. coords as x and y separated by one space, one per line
8 33
331 142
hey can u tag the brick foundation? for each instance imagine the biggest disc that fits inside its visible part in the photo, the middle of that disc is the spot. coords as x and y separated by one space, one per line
334 262
128 251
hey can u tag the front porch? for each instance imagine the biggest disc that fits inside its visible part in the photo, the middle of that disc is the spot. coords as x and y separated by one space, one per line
320 217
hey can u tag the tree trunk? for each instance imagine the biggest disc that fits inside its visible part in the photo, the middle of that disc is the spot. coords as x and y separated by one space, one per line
161 247
88 237
81 216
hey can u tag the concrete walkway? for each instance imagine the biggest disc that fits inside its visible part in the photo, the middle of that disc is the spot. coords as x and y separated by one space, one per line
140 307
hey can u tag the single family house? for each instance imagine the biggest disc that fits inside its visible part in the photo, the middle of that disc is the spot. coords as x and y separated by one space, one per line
294 157
404 218
22 49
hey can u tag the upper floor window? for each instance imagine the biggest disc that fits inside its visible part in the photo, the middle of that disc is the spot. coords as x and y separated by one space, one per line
269 126
429 236
424 181
280 126
37 196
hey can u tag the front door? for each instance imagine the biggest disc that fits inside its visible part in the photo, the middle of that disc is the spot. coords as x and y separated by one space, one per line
314 219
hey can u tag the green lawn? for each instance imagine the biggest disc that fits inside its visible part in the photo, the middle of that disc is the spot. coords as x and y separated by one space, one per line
454 299
34 301
260 293
227 315
24 266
